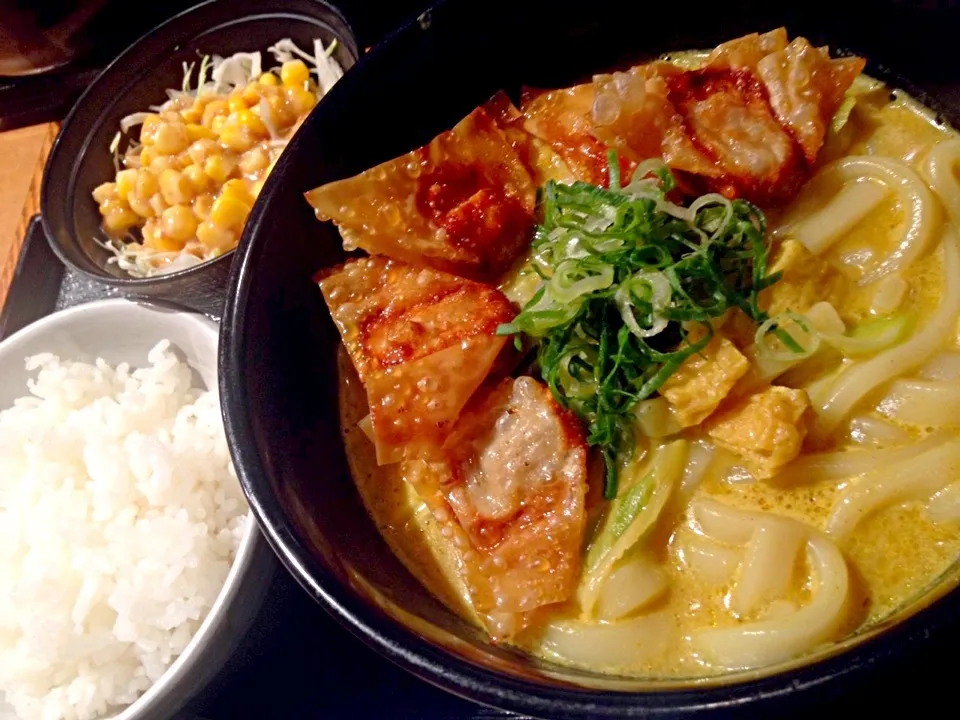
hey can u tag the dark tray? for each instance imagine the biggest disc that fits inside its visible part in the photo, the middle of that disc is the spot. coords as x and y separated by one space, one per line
296 662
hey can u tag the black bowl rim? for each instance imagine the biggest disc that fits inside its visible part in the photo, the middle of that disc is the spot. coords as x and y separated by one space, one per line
447 670
47 189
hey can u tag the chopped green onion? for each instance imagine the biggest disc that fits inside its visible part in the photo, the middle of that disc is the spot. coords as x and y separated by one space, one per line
777 338
613 164
872 336
625 274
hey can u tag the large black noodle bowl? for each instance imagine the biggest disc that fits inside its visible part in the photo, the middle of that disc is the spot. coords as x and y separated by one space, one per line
278 344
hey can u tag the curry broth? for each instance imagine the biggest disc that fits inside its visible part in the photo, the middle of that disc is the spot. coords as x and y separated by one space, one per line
893 556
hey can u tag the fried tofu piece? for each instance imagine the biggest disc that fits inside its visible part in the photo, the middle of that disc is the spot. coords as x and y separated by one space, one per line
698 386
462 204
807 279
422 342
765 429
510 494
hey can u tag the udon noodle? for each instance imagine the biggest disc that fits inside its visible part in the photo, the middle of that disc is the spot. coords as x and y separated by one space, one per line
682 434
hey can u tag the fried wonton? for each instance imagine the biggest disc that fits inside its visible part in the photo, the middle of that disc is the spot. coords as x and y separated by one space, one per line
422 341
510 494
749 122
462 204
562 119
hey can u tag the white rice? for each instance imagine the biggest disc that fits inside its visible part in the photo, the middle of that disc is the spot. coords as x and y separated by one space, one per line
120 515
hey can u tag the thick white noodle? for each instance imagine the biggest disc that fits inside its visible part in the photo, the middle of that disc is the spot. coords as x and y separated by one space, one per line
714 562
787 632
927 403
631 587
871 430
844 464
765 573
861 378
855 200
943 367
860 194
917 478
612 646
945 505
939 170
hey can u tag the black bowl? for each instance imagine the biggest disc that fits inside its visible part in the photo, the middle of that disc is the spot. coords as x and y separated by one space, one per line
81 158
278 380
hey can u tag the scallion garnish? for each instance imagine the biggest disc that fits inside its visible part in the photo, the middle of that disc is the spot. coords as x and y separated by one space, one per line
630 284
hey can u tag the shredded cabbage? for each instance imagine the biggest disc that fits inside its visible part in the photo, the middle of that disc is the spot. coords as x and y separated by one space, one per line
215 75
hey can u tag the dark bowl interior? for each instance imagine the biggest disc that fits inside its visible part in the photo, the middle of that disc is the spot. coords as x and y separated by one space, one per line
278 380
138 78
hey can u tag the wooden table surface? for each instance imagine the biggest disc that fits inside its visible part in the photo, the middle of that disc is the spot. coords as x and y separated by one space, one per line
23 153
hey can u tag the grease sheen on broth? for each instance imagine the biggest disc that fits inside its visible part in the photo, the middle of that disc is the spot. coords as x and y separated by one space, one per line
735 443
895 554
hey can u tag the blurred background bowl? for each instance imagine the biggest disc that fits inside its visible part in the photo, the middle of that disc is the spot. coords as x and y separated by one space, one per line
81 158
120 330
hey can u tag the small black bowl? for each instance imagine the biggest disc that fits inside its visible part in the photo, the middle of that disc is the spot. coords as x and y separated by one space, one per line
278 345
138 78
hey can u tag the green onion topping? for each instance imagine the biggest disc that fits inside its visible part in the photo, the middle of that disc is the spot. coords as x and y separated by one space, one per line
626 275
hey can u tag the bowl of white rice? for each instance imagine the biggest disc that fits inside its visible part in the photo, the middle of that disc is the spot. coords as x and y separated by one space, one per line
130 565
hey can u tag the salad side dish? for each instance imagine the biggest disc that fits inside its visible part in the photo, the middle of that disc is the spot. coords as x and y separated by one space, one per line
184 187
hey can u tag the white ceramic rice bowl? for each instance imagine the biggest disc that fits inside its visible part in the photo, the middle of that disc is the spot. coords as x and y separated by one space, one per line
120 330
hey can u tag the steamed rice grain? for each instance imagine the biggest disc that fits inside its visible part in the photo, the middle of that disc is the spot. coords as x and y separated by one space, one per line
120 516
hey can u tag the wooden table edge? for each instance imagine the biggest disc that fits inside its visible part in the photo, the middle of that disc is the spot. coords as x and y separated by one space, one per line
31 207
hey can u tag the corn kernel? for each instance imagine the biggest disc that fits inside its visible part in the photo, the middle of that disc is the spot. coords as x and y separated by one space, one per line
147 184
294 73
175 188
280 112
257 187
250 121
254 160
126 182
218 122
178 223
234 137
229 211
300 101
148 129
141 206
112 204
202 205
161 163
104 191
217 168
170 116
158 204
192 115
268 78
154 239
171 138
120 220
199 132
251 93
200 150
213 110
236 103
214 237
197 178
147 156
237 188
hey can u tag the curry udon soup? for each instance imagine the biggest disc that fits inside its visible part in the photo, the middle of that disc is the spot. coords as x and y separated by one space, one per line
659 374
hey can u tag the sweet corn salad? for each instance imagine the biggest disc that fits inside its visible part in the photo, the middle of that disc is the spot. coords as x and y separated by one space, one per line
184 188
